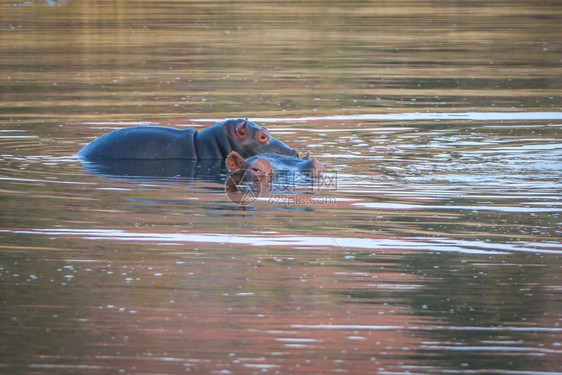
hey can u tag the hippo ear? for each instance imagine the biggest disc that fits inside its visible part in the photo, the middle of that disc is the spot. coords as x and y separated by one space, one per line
317 167
242 129
307 156
234 161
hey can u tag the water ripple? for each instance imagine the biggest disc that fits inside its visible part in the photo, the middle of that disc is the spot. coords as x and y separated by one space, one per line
434 244
417 116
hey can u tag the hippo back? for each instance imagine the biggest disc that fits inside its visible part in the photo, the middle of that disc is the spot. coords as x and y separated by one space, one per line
142 142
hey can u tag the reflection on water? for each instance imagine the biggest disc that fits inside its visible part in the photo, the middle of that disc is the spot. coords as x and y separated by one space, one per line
266 240
438 252
209 169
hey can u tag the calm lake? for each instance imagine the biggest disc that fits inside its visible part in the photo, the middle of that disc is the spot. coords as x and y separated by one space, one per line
432 247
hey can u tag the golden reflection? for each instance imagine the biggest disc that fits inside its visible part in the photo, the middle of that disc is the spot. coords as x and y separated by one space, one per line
88 60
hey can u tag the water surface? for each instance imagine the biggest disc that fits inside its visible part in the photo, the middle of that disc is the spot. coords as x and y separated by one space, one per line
436 250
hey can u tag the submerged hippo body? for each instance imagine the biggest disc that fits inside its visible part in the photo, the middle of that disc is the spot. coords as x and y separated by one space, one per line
262 169
159 142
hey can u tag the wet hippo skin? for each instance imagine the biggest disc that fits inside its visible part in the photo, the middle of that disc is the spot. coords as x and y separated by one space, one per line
159 142
262 168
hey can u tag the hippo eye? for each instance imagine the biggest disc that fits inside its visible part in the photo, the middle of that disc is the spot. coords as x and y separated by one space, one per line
263 136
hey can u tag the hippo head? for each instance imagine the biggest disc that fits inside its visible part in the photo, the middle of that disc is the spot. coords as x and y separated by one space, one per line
260 170
249 139
257 173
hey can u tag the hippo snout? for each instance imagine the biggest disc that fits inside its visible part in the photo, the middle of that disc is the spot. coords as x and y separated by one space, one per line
288 151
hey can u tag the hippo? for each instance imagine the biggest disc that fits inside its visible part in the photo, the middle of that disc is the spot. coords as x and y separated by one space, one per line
159 142
261 170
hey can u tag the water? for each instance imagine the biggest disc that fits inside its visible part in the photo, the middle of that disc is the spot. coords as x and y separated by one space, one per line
436 251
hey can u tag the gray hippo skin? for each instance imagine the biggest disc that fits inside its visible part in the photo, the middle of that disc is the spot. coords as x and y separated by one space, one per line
159 142
261 169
